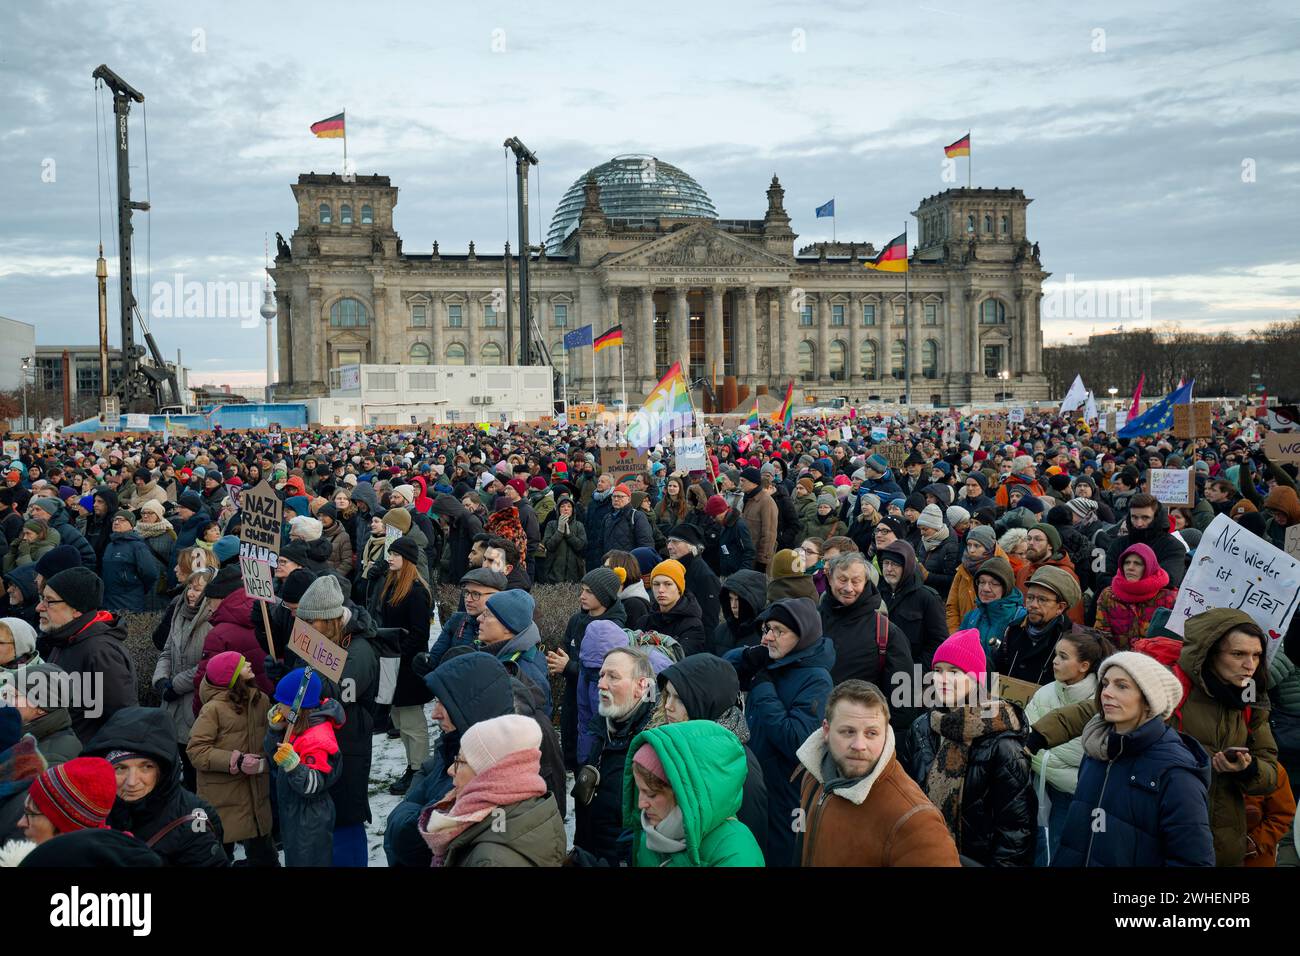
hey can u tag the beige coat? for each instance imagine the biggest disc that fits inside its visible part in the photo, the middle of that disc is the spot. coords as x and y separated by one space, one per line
242 802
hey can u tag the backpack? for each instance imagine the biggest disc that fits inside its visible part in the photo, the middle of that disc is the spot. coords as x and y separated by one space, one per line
670 647
882 640
1166 650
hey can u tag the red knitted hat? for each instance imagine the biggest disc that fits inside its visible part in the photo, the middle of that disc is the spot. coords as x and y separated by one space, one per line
963 651
76 795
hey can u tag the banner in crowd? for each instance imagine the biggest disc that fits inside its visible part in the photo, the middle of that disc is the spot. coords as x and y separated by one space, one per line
690 454
320 653
1282 447
1238 569
622 463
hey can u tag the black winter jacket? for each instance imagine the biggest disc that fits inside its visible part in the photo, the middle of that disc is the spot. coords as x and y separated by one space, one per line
599 826
95 643
941 563
751 588
852 630
703 584
919 613
413 614
681 621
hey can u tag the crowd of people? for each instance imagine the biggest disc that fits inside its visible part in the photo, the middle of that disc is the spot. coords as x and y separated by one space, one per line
794 658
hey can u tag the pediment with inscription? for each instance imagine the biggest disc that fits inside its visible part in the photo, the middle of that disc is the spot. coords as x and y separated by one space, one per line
698 246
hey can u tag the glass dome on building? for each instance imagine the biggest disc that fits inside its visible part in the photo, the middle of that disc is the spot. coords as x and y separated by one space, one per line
633 187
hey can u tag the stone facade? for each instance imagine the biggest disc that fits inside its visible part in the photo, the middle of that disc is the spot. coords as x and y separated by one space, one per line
725 297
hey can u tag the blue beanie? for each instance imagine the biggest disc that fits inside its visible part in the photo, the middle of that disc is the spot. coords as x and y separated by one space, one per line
824 466
11 727
287 690
87 503
943 466
513 608
646 558
299 504
878 463
225 548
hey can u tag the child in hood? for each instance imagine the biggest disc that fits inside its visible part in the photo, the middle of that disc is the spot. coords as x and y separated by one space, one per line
231 774
307 763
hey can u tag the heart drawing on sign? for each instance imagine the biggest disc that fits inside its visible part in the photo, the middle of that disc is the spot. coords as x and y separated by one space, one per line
624 454
1273 635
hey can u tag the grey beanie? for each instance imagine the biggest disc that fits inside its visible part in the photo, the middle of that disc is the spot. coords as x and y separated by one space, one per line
873 500
323 601
985 536
604 584
828 500
931 517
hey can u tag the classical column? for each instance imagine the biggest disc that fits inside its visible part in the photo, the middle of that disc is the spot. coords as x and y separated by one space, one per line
885 318
785 331
973 325
312 342
645 338
750 323
679 321
714 365
1036 350
914 323
607 360
823 336
284 336
437 321
853 363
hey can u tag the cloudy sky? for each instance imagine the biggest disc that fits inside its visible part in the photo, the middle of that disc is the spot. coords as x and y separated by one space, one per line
1159 141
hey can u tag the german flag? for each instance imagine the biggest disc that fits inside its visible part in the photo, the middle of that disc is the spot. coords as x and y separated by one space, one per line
331 128
893 258
959 148
613 337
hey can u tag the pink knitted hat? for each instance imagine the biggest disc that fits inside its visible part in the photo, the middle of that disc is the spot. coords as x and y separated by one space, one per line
490 740
964 651
648 759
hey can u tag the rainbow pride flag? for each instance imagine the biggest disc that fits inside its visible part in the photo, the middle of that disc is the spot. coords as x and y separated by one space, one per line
752 420
784 416
666 409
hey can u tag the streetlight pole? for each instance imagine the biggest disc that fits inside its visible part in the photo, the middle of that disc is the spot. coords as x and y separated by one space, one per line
26 363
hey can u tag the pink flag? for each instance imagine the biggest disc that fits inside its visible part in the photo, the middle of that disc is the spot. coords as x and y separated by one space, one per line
1137 399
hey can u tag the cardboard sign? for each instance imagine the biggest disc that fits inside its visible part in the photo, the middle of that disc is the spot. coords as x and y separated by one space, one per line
993 430
1238 569
1016 416
1291 544
1019 691
11 449
1282 418
318 651
846 433
1281 447
1193 420
259 581
261 515
895 453
622 463
689 454
1173 486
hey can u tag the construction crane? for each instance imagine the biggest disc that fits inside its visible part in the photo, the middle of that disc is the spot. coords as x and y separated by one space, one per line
142 387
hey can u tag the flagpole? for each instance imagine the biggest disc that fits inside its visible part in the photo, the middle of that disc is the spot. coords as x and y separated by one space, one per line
969 157
345 142
833 220
907 324
592 346
622 377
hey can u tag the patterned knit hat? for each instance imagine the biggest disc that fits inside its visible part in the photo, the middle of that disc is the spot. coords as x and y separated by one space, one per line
76 795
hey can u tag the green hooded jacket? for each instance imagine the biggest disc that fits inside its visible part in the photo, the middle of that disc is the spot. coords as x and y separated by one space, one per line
706 769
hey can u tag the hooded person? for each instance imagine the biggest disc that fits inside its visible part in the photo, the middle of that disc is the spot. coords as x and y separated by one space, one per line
787 679
1138 589
788 577
1147 522
998 604
151 803
56 516
913 607
705 687
89 644
21 594
859 806
1164 820
742 597
981 544
507 631
868 646
1219 667
469 688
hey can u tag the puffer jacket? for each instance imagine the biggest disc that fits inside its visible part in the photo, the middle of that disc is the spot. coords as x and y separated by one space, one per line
411 614
179 660
999 810
231 629
302 794
681 621
572 726
599 828
162 542
781 713
1170 552
94 643
462 526
1214 717
148 731
242 800
852 630
705 764
994 618
1150 787
356 694
941 563
751 588
963 595
340 543
916 610
527 833
1059 766
68 534
130 572
566 551
704 585
524 658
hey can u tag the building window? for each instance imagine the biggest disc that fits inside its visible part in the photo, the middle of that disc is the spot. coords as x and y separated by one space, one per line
805 316
931 313
489 317
345 215
696 342
455 354
325 217
662 339
1006 225
993 312
418 316
348 313
419 354
838 361
381 381
349 357
898 359
868 315
422 381
560 315
992 360
490 354
807 367
453 316
837 315
970 223
988 223
868 360
930 358
367 215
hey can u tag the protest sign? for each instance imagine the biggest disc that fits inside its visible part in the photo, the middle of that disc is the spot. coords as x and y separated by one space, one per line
621 463
1193 420
1235 568
993 430
1282 418
134 421
319 652
1173 486
259 582
1020 691
879 433
1016 416
1291 543
690 454
262 513
846 433
1282 447
11 450
895 453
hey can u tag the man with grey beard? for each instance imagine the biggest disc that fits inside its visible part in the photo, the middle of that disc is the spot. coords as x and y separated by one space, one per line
625 704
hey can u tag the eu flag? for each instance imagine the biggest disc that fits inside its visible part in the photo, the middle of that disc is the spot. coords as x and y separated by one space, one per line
1160 416
577 338
827 210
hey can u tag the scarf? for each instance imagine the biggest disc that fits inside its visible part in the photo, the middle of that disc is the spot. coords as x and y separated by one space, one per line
958 728
936 539
973 564
601 495
733 719
153 529
1141 590
668 836
512 779
19 765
